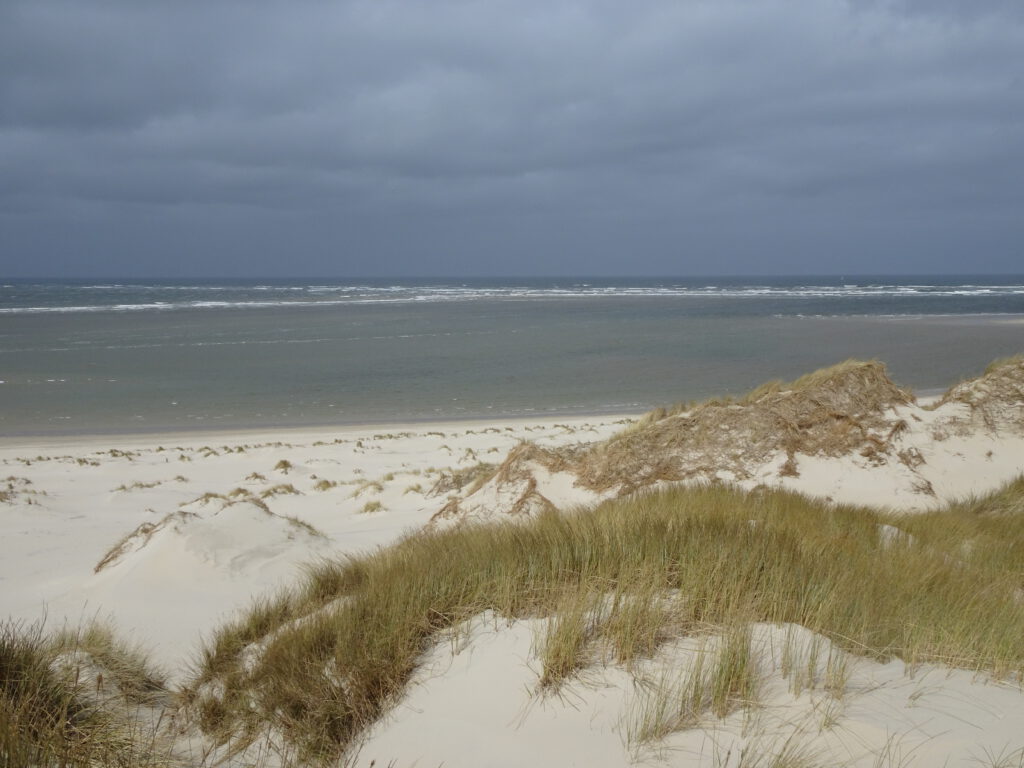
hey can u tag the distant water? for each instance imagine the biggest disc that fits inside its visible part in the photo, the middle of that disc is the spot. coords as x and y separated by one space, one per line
125 356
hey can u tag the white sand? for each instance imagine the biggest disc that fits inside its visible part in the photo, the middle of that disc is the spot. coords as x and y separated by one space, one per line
884 716
197 569
474 702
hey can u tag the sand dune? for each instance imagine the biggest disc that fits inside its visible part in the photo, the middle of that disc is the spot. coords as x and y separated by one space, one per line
846 434
171 536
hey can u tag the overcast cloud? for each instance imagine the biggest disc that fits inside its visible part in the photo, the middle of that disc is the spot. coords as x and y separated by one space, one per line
208 137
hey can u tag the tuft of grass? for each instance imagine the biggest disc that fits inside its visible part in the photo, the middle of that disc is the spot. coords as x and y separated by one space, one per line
66 701
309 528
371 485
623 578
569 631
469 477
718 680
324 485
282 489
206 498
125 667
370 507
284 466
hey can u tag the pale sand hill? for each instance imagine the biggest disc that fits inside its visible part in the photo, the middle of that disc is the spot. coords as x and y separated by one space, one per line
163 535
172 535
846 434
477 704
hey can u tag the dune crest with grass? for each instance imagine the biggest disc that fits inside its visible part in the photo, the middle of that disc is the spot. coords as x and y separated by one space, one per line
832 433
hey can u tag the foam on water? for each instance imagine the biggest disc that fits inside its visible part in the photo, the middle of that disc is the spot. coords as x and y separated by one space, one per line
39 298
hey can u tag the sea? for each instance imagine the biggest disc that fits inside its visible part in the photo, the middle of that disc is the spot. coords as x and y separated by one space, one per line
129 356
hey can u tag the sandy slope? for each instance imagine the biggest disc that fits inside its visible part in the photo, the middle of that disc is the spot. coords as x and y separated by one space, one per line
69 503
882 715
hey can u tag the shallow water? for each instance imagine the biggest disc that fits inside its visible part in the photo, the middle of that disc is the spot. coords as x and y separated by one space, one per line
74 359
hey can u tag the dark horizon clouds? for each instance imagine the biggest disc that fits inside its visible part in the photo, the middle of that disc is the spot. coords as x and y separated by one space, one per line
396 137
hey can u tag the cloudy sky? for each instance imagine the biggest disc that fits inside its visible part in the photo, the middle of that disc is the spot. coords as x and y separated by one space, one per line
510 137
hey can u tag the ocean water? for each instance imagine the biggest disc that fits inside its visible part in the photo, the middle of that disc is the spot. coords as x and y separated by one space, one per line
81 357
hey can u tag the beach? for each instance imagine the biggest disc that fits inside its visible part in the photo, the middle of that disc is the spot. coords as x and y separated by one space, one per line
170 538
74 499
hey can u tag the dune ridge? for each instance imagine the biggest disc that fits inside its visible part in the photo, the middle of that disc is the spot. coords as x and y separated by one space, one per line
848 426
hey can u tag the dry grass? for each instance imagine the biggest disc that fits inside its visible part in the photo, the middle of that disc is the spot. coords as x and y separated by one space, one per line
833 412
75 699
372 485
282 489
620 580
138 538
994 398
469 477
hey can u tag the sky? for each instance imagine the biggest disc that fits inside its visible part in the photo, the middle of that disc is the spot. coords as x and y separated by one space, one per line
202 138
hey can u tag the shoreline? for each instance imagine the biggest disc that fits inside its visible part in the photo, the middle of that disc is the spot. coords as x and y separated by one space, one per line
269 434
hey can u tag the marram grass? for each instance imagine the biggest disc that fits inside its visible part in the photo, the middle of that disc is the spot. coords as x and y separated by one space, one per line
618 581
77 700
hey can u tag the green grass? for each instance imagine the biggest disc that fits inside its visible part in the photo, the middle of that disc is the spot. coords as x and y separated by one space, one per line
717 681
618 581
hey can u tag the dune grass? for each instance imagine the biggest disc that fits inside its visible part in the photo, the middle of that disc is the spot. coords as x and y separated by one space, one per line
618 581
73 699
719 680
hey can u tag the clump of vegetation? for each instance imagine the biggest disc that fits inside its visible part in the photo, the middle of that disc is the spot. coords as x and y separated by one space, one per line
371 485
75 699
324 485
301 524
205 499
835 411
618 582
280 489
993 399
137 485
284 466
139 538
471 478
722 676
371 506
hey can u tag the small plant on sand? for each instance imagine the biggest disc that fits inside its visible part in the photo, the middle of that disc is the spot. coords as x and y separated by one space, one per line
283 466
371 506
280 490
372 485
719 679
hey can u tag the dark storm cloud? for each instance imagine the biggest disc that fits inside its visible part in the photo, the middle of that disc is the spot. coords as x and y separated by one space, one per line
510 137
